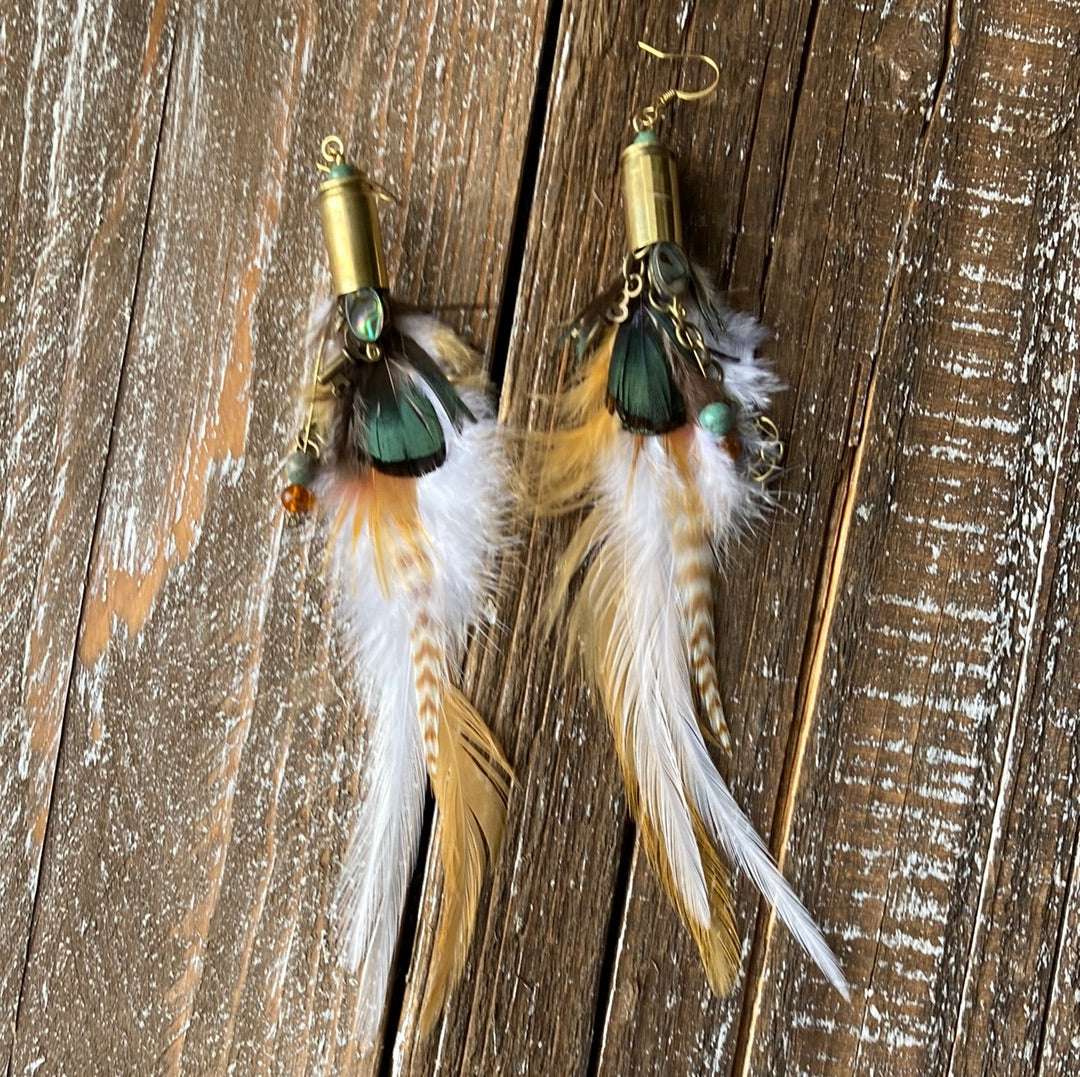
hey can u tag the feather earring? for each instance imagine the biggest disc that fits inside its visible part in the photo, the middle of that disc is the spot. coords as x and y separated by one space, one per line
402 454
664 441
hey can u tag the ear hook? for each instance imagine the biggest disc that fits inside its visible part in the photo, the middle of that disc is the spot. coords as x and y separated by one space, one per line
648 116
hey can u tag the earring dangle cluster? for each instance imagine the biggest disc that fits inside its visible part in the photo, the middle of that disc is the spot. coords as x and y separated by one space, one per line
664 440
400 451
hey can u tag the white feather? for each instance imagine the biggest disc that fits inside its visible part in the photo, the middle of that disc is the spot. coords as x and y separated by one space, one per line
636 489
650 659
748 379
386 826
737 837
382 849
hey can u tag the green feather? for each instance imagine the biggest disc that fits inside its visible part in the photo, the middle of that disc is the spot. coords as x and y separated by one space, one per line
641 388
402 433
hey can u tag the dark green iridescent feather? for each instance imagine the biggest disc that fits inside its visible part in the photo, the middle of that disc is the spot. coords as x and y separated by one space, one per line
402 434
641 388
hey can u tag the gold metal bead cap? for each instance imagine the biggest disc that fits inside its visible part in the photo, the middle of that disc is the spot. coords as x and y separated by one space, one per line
650 194
350 224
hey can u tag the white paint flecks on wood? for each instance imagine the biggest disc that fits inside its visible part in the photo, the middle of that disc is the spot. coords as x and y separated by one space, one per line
893 188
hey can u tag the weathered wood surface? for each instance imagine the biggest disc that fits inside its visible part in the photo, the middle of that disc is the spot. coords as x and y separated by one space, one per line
896 188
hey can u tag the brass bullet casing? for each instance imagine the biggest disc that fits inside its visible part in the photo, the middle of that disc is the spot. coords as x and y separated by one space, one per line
350 224
650 193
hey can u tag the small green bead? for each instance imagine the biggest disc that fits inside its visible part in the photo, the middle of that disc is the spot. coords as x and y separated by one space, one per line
646 136
341 170
717 418
299 468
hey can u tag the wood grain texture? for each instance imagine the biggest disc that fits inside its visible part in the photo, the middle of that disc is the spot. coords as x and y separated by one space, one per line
195 824
893 187
74 202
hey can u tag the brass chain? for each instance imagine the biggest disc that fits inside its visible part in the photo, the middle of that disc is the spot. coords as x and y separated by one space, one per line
686 333
770 451
633 281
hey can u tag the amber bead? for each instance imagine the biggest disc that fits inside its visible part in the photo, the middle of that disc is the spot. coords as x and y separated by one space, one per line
733 446
297 499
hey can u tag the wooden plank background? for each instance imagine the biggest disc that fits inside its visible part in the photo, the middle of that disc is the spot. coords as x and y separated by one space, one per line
894 187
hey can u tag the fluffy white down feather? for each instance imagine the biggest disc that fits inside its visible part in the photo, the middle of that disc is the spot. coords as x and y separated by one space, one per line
746 375
463 507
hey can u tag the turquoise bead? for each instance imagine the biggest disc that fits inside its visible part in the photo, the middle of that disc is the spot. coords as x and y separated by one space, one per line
299 468
365 314
717 418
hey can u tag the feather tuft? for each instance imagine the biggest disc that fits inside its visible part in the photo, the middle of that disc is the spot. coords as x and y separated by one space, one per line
662 505
411 557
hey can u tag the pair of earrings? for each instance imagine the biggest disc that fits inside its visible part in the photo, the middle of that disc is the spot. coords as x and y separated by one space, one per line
663 439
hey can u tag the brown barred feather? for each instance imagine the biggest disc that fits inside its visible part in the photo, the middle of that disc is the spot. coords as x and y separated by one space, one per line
695 575
429 676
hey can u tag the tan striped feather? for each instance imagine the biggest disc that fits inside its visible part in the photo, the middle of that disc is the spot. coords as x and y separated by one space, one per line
471 786
694 578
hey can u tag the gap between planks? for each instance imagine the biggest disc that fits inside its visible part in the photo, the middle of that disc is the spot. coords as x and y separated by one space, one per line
500 342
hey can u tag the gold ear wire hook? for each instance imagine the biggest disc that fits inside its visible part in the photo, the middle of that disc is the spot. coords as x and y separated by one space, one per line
687 95
648 116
